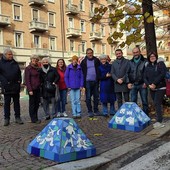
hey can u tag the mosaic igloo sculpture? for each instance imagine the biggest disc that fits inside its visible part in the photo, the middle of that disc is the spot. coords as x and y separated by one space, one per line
62 141
129 117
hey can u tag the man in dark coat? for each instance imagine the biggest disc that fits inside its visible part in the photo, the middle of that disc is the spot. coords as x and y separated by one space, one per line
119 74
136 79
89 67
10 78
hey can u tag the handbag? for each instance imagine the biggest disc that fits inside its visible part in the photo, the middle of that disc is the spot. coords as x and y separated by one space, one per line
168 84
49 87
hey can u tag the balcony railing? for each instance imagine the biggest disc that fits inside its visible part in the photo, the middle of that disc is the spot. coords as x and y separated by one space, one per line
41 52
36 2
72 32
4 20
38 26
72 9
95 36
111 2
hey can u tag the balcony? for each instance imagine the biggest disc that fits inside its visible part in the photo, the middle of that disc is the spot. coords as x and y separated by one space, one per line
72 9
3 47
41 52
37 2
72 32
38 26
95 36
4 20
111 3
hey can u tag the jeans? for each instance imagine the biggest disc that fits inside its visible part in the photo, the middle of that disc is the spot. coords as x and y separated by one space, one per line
143 94
119 98
46 106
157 97
34 101
62 102
7 100
75 102
92 89
105 108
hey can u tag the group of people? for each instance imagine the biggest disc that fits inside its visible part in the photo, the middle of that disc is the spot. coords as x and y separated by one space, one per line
108 82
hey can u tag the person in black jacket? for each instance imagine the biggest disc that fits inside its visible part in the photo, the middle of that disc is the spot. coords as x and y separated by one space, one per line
10 78
154 78
136 80
89 67
48 77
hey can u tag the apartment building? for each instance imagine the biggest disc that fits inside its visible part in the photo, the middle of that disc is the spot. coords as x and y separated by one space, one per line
53 28
162 30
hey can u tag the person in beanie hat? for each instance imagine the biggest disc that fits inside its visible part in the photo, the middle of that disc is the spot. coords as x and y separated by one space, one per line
74 82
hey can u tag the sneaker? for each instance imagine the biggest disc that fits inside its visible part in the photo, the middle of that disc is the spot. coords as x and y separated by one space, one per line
91 114
19 121
6 122
65 114
59 114
158 125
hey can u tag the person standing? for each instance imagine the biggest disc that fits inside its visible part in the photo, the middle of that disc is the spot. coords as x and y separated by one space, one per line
49 77
107 94
89 67
154 78
10 78
61 68
32 81
136 79
119 74
74 82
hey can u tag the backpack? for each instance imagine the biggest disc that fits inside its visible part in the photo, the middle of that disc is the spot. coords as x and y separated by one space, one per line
167 83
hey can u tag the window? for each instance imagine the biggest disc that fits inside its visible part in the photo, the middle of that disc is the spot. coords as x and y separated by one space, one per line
71 45
71 25
94 47
52 43
103 48
52 19
1 37
92 7
35 15
92 27
82 26
102 30
18 39
83 46
37 41
81 5
17 12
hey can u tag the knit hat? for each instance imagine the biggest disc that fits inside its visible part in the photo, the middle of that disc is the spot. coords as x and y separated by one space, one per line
74 58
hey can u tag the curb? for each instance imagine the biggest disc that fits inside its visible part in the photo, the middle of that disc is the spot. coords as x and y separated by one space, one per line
106 157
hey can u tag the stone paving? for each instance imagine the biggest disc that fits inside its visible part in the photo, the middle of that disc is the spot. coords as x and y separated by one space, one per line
15 138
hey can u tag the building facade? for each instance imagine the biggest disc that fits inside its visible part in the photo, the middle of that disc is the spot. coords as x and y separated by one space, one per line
53 28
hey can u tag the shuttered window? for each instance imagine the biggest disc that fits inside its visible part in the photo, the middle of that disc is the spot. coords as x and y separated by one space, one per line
17 15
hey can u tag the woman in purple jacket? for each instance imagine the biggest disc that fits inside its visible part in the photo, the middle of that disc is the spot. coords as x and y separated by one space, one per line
32 81
74 82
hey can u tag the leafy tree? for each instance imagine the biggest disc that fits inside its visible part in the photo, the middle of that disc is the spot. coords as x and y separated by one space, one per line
133 17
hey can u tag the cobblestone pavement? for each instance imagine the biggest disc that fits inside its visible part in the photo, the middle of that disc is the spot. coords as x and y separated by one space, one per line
15 138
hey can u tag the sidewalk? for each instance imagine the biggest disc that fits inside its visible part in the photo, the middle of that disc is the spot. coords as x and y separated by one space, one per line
109 143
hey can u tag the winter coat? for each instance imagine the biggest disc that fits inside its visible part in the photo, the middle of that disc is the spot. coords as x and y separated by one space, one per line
107 94
74 77
61 83
119 70
32 78
84 67
10 76
51 76
136 71
155 74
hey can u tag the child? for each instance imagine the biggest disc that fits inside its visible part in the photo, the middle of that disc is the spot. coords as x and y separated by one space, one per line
74 82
